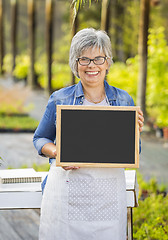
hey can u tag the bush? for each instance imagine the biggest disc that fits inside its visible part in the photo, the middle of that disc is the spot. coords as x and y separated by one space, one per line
151 218
42 167
18 122
22 66
157 87
125 76
61 75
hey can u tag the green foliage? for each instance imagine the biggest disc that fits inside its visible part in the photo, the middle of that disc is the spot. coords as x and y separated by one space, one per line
151 218
7 64
15 122
125 76
24 166
151 187
79 3
157 86
42 167
22 66
1 159
61 75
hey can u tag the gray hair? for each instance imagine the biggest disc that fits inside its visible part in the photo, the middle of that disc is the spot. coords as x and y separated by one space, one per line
89 38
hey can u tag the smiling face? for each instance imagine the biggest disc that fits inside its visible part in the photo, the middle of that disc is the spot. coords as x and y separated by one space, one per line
92 75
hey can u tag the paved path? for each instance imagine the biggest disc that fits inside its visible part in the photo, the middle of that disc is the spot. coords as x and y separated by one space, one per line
154 159
19 224
17 150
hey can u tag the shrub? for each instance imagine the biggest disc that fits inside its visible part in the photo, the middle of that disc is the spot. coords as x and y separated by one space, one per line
42 167
151 218
22 66
18 122
125 76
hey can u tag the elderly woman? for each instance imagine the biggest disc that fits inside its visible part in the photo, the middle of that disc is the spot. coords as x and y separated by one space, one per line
83 203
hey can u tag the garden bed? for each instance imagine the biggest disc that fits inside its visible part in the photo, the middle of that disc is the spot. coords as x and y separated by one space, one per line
17 123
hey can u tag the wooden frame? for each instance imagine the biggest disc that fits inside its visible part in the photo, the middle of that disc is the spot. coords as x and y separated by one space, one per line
65 109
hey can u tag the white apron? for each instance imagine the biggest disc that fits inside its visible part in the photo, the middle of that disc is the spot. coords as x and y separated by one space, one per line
84 204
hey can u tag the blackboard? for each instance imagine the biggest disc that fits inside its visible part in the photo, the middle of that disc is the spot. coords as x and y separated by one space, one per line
96 136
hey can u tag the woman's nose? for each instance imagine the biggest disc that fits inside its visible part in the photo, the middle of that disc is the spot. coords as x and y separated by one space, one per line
91 64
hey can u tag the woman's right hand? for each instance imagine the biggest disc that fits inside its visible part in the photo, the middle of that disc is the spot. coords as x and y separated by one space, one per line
49 150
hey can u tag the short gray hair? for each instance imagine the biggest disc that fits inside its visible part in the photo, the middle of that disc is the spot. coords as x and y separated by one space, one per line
85 39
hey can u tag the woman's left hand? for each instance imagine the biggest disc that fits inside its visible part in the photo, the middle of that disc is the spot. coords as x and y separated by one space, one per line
140 120
70 168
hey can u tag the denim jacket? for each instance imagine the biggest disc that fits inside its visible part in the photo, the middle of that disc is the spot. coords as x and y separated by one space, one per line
73 95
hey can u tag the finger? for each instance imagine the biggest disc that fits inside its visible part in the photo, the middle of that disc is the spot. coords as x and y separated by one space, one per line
70 168
55 153
140 129
140 117
140 112
140 123
67 168
140 126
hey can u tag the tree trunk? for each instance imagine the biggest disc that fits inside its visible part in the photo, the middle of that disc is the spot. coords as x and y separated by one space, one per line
14 8
118 25
74 27
143 52
1 37
105 15
31 26
49 34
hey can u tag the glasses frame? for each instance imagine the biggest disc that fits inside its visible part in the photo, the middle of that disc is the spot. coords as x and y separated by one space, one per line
91 60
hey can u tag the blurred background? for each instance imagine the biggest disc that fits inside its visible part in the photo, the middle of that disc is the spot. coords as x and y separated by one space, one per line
35 37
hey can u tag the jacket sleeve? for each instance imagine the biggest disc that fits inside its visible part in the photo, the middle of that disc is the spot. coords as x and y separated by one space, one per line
46 131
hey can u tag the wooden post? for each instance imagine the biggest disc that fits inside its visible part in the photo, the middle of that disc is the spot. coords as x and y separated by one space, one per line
143 52
74 27
14 8
31 27
105 15
1 37
49 35
130 223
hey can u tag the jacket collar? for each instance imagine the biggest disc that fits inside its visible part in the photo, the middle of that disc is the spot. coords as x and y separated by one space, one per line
79 89
110 92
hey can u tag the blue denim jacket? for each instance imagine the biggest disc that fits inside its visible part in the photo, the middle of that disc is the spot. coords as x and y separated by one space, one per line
73 95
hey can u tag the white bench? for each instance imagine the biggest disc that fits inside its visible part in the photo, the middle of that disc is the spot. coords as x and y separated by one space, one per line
29 195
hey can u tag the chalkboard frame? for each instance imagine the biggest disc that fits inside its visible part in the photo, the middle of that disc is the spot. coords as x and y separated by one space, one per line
61 108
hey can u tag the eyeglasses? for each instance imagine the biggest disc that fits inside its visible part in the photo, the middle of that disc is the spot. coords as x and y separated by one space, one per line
84 61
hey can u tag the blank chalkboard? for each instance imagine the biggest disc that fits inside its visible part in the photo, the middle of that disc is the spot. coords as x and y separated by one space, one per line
96 136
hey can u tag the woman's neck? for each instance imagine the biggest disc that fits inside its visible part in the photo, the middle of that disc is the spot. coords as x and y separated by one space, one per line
95 95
